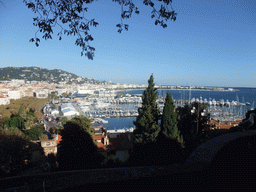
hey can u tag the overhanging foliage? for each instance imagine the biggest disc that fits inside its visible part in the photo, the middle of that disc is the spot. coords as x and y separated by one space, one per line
70 17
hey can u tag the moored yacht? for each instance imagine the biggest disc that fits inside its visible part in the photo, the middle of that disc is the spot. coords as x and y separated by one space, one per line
234 103
227 103
222 102
214 102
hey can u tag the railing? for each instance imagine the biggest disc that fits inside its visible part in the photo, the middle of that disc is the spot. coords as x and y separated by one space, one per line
55 181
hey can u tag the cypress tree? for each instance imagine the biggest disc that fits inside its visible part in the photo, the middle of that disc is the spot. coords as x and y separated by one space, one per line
147 127
169 122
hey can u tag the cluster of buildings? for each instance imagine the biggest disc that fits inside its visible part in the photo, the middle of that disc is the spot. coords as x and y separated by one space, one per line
112 145
16 89
115 144
216 124
68 109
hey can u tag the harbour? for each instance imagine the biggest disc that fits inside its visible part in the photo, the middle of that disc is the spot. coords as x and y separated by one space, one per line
121 109
120 112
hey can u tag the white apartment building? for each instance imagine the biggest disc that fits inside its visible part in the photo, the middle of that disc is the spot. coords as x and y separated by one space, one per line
61 90
103 93
4 100
14 94
68 110
18 81
41 94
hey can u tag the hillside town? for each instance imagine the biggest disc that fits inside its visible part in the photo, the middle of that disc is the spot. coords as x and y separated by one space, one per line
127 95
16 89
94 103
73 105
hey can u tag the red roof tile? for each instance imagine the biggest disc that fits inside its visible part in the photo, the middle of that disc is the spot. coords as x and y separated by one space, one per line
98 137
101 147
59 138
224 126
122 142
98 127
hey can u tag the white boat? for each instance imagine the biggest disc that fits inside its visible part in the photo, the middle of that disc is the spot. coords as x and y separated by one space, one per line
201 100
85 108
104 121
234 103
99 104
222 102
252 108
227 103
214 102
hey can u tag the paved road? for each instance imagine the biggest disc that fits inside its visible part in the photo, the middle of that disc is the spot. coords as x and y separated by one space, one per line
206 151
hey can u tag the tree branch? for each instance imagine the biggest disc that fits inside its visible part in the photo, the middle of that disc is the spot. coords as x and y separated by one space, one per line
72 14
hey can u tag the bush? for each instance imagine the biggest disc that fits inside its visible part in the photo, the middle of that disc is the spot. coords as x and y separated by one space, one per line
162 151
77 149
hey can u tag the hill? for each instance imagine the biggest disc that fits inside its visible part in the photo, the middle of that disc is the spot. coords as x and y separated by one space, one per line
42 74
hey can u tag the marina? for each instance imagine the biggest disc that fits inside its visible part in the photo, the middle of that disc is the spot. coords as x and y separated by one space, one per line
213 106
120 111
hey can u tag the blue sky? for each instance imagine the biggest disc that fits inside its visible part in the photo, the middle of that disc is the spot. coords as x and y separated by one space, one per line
212 43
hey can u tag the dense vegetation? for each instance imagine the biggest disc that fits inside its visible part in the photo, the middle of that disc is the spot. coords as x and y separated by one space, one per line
13 153
158 138
147 126
41 74
169 120
78 150
166 145
20 116
26 107
156 143
18 126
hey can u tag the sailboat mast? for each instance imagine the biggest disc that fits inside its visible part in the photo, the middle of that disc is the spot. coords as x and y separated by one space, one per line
189 93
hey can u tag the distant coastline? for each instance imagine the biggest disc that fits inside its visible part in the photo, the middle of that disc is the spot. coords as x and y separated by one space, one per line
181 89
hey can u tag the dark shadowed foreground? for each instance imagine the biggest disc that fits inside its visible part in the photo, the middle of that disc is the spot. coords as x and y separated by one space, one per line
232 168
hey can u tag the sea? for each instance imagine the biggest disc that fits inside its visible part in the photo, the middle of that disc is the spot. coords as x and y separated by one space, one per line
241 95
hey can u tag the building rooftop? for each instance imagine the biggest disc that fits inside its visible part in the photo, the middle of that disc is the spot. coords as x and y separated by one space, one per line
121 142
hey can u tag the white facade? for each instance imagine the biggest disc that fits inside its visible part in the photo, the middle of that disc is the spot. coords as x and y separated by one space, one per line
85 91
67 106
41 94
14 94
4 100
18 81
60 91
103 93
68 110
55 112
